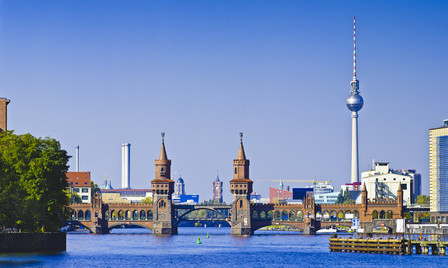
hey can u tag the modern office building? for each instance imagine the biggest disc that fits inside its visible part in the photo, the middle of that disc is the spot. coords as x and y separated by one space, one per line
383 183
217 190
300 193
417 186
186 199
79 182
438 173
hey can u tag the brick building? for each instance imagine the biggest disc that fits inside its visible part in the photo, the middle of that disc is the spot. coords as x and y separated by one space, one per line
278 195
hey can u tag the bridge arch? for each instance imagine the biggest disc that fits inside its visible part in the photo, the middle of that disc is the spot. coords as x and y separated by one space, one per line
139 224
181 218
260 224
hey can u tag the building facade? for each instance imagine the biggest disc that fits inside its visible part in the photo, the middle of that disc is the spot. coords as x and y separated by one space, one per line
125 195
438 173
383 183
279 195
79 183
217 190
179 187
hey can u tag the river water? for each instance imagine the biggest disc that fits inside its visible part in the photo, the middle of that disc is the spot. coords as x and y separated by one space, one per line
139 248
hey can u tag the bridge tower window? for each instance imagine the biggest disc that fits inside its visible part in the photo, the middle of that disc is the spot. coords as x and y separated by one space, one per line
142 215
255 215
299 216
292 216
277 215
389 215
80 215
375 214
120 215
162 203
284 215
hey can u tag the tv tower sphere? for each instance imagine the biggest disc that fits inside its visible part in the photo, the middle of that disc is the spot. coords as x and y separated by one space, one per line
355 102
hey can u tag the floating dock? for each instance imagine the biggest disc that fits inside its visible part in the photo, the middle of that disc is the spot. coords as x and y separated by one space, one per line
388 246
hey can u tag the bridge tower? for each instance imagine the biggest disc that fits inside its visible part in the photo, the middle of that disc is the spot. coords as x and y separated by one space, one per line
162 189
241 188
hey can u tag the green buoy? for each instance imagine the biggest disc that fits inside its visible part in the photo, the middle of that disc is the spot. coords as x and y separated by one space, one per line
199 241
207 236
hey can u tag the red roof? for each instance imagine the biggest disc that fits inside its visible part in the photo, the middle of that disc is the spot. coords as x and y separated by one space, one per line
78 179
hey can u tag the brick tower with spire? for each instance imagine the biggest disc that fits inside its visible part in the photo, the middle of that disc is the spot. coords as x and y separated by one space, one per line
162 189
241 188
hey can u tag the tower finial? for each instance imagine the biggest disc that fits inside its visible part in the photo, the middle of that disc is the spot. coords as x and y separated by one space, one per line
163 136
241 136
354 48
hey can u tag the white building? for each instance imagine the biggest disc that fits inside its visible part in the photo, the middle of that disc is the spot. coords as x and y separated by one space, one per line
79 183
382 183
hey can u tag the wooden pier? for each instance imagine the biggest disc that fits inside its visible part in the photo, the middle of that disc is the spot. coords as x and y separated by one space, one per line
388 246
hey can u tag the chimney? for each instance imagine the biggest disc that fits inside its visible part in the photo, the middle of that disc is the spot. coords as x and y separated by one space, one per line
125 165
77 158
3 113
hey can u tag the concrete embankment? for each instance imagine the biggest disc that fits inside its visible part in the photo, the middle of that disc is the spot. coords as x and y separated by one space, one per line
29 242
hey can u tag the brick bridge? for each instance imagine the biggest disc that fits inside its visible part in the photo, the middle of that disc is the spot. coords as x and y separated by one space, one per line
244 217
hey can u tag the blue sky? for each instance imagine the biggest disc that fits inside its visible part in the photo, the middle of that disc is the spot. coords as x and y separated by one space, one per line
102 73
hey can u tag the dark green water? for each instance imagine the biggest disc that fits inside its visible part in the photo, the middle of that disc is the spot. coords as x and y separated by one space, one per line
138 248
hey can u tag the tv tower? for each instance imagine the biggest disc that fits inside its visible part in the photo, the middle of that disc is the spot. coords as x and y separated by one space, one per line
354 104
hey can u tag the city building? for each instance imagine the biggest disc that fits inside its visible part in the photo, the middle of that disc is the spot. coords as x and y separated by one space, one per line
322 188
79 182
125 195
354 104
417 186
126 166
278 195
438 173
327 198
4 114
179 187
106 185
186 199
300 193
353 186
217 190
255 197
383 183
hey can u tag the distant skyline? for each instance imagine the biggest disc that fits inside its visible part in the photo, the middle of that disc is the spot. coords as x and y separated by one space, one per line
102 73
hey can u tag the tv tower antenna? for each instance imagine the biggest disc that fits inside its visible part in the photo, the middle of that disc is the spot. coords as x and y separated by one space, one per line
354 48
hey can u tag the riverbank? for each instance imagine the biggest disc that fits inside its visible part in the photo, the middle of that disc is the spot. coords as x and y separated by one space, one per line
32 242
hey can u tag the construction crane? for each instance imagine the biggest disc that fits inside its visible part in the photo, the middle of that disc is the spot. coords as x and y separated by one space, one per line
303 181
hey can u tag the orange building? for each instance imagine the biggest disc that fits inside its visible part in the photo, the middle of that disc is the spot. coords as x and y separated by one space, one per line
278 195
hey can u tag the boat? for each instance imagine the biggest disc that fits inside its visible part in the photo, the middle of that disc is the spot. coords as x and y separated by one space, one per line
327 231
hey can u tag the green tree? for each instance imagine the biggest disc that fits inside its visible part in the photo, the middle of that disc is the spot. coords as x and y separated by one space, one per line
148 200
94 189
75 198
32 182
422 200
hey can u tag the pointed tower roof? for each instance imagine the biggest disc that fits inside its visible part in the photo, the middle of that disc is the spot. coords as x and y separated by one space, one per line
241 154
399 187
162 155
364 187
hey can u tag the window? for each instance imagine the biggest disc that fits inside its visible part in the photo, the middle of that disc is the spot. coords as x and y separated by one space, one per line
235 171
76 190
85 197
85 190
85 183
404 186
76 183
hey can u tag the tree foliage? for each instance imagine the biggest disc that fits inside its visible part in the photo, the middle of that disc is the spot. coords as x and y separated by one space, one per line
32 182
344 198
422 200
148 200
